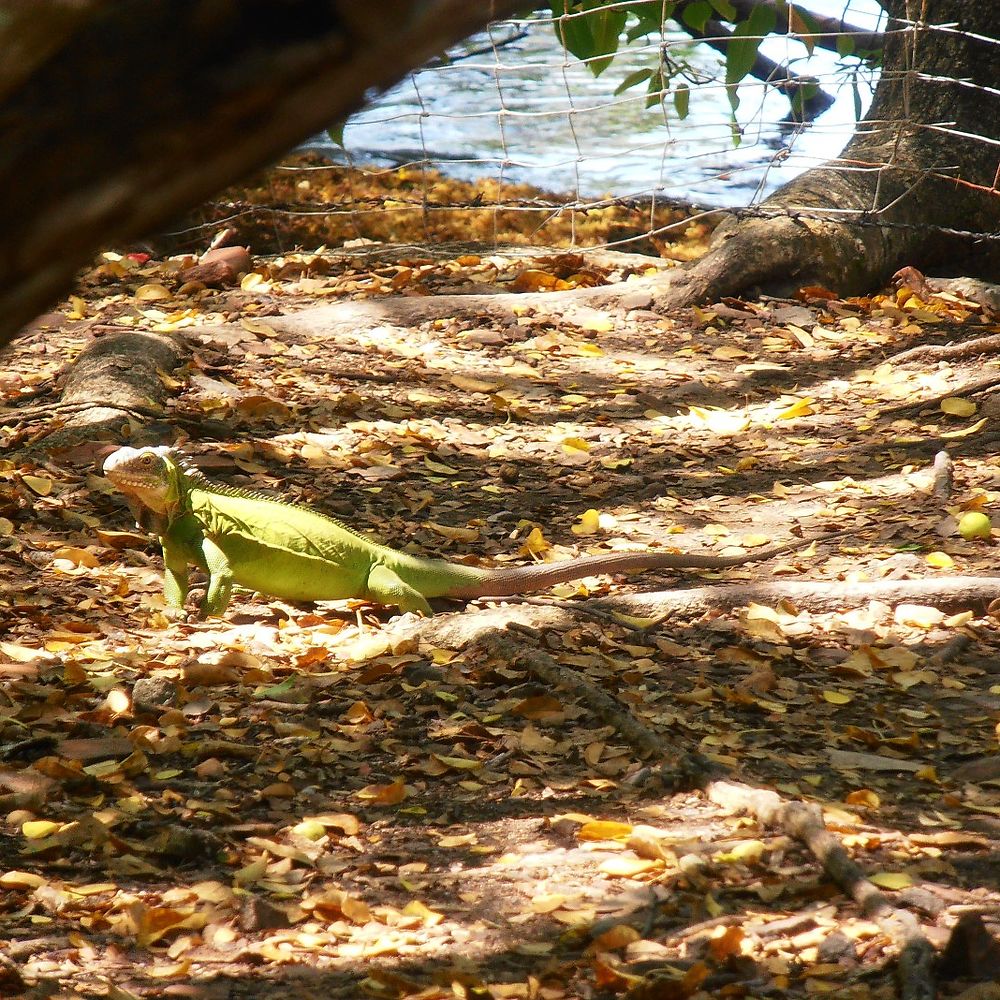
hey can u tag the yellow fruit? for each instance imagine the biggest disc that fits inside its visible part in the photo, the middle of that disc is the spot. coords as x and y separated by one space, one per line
974 524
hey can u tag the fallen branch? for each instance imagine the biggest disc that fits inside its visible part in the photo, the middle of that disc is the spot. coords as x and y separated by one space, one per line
805 823
684 769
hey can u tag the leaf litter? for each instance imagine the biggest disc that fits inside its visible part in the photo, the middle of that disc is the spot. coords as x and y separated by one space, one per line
293 799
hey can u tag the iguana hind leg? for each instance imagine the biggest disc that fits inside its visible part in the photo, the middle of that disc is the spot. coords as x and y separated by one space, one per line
385 587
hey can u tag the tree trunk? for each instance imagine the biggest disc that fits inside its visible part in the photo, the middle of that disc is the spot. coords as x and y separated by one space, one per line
926 156
117 115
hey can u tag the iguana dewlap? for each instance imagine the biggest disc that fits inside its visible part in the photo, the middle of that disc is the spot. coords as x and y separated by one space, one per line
241 536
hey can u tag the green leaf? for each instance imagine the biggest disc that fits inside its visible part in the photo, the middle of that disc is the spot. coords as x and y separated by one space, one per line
594 34
742 49
857 96
696 14
724 9
336 134
845 46
633 80
734 128
650 17
657 85
802 23
682 99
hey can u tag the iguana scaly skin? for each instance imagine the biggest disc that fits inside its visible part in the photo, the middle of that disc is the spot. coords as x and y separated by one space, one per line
241 536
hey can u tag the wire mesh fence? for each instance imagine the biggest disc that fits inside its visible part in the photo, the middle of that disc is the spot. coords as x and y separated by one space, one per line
512 138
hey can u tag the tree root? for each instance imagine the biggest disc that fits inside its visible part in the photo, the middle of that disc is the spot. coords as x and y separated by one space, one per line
944 477
948 593
974 348
805 823
969 389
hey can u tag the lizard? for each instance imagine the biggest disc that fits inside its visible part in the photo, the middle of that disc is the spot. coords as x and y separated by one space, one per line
293 552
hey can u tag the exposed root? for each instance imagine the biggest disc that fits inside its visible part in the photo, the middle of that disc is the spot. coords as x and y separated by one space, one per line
948 593
944 477
805 823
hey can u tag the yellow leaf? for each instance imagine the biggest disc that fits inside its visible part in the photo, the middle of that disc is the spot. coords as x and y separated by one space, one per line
311 829
956 407
626 867
19 654
258 326
800 408
864 797
384 795
535 544
21 880
589 523
891 880
254 281
729 353
459 763
152 292
746 852
574 445
598 323
427 916
455 534
966 431
837 697
546 902
35 829
918 615
76 556
725 423
604 829
79 310
458 840
444 470
940 560
38 484
619 936
472 384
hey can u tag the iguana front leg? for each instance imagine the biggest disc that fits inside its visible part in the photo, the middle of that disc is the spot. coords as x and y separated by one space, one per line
385 587
175 573
220 579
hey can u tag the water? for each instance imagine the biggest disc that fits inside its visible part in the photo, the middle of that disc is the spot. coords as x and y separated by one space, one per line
530 112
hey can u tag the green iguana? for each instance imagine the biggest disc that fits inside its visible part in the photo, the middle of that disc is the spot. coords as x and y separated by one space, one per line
245 537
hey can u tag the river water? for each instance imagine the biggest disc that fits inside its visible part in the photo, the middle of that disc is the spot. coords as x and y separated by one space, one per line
527 111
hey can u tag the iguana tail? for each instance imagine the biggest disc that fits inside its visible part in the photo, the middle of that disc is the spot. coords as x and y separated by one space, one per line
522 579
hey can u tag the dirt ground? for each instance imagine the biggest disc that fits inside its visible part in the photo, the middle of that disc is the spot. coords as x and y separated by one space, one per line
331 802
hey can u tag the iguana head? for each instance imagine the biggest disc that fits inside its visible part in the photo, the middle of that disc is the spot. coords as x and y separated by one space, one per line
150 476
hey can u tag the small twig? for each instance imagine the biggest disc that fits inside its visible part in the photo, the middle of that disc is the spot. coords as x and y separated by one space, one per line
951 650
